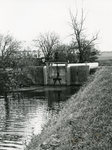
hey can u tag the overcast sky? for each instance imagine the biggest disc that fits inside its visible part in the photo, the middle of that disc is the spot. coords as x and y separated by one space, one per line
25 19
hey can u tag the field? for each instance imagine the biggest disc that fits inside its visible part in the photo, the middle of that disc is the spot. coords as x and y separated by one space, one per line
105 59
105 55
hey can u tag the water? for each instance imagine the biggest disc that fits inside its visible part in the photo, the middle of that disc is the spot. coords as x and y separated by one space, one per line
24 114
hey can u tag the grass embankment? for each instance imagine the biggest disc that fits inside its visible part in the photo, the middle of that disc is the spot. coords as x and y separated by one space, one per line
85 122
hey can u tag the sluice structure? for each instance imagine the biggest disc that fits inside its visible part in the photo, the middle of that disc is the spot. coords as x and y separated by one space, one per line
66 74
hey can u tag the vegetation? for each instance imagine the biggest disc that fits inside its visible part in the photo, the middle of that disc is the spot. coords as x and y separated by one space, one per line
12 75
5 83
106 62
81 49
13 79
85 121
47 44
8 48
84 48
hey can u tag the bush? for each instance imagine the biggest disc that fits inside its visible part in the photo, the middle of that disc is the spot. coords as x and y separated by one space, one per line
21 79
5 83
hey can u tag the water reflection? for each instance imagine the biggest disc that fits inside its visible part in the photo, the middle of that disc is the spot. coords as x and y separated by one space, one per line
25 113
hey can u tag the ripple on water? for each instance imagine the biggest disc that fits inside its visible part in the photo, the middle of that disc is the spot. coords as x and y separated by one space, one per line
10 141
20 117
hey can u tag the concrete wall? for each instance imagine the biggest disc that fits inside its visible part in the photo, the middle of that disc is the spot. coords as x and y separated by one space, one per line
78 74
51 73
91 65
70 75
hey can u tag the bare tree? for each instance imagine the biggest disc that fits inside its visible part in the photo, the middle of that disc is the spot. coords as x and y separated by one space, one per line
8 47
81 43
47 43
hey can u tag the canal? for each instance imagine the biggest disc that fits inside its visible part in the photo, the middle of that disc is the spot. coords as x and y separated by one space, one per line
24 113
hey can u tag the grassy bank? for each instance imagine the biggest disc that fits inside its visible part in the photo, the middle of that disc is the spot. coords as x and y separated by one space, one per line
85 122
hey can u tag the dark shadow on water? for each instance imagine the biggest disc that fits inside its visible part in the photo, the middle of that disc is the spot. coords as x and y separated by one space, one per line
54 96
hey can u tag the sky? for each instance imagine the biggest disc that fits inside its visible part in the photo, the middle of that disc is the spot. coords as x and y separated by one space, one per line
26 19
